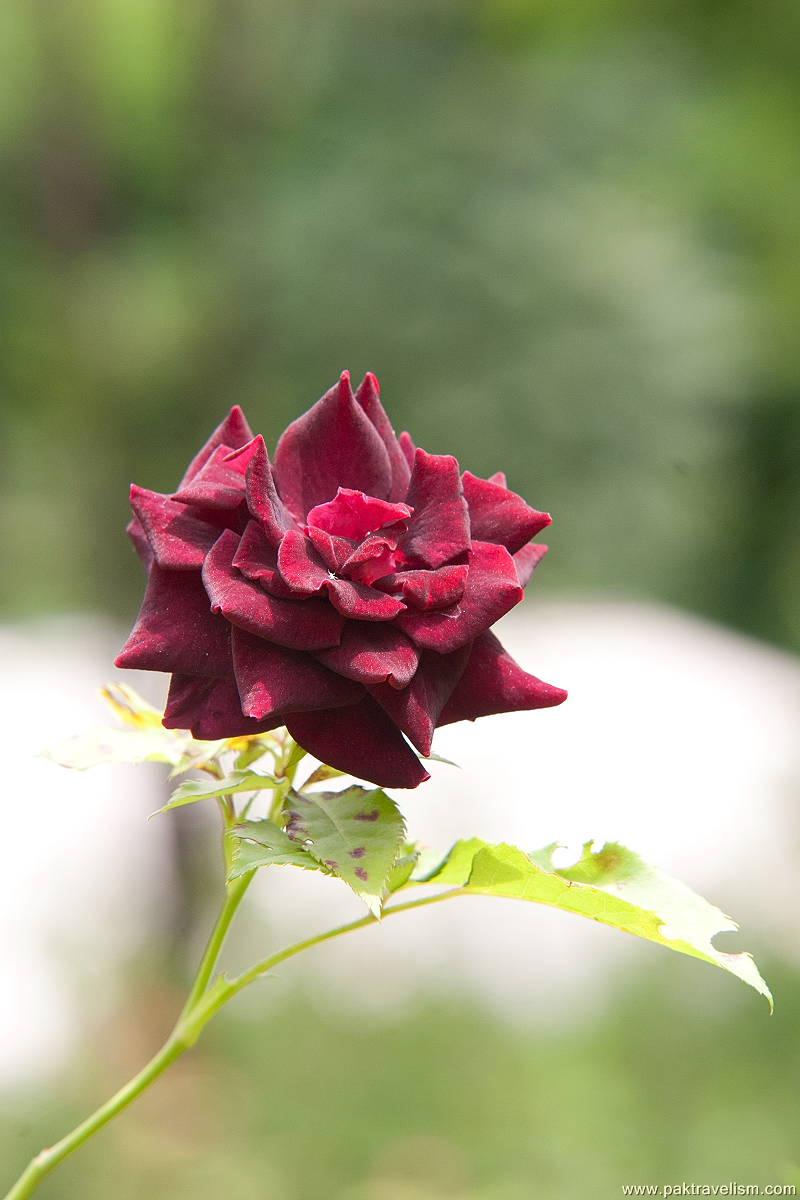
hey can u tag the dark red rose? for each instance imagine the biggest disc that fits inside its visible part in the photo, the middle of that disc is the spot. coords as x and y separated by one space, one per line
345 591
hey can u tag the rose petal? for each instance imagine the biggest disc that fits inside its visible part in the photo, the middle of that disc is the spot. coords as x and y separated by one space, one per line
233 432
209 709
218 484
493 683
499 477
141 545
240 458
527 560
353 515
179 539
360 740
175 629
263 500
491 590
368 396
273 681
258 560
406 444
334 551
373 559
416 708
297 624
360 602
498 515
334 444
438 531
371 654
428 590
300 566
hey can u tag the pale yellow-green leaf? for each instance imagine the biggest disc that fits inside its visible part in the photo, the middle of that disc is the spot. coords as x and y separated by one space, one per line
611 885
101 746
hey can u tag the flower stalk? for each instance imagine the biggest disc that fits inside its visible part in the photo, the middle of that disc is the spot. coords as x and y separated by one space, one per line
203 1003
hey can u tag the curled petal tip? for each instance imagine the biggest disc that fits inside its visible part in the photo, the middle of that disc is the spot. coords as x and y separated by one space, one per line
256 444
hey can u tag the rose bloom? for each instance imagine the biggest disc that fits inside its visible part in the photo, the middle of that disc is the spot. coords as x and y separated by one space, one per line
345 591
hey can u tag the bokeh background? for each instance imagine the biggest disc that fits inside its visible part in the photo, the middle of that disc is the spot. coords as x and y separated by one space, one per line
566 238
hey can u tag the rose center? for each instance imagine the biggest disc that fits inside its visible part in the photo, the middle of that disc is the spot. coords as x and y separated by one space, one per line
355 515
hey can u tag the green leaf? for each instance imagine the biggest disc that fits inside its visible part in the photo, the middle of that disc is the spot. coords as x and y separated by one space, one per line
264 844
323 774
403 868
612 885
206 789
448 762
252 752
295 758
356 834
456 864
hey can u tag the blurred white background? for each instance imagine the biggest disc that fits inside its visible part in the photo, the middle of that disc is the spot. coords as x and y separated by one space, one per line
679 739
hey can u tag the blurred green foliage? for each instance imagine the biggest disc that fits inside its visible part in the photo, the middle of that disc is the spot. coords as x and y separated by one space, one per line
300 1102
565 236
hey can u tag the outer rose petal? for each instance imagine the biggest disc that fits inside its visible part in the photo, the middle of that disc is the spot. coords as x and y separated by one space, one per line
258 560
218 484
263 500
359 740
175 629
527 560
360 602
136 533
209 708
300 566
492 589
179 538
499 477
428 590
372 654
368 396
333 445
493 683
273 681
438 531
498 515
233 432
416 709
297 624
406 444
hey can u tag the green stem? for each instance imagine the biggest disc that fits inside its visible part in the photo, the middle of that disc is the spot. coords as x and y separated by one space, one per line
44 1162
233 898
225 989
203 1004
175 1045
